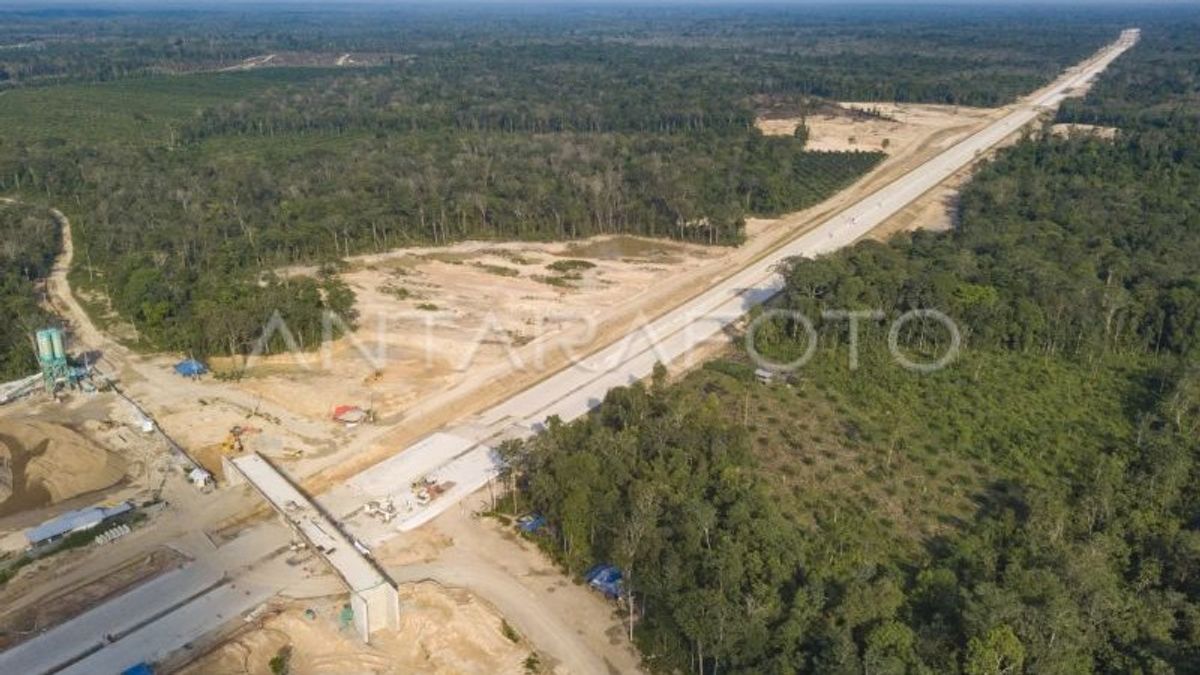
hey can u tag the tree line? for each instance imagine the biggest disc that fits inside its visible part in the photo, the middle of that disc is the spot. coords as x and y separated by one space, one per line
29 239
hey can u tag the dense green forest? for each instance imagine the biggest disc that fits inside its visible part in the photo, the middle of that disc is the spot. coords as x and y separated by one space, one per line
1030 508
976 56
29 240
186 190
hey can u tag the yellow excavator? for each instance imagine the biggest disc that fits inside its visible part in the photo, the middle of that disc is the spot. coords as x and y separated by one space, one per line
232 445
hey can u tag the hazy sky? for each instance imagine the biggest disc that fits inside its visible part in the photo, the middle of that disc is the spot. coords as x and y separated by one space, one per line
642 3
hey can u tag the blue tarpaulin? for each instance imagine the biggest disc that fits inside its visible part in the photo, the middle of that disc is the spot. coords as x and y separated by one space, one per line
605 578
139 669
531 522
190 368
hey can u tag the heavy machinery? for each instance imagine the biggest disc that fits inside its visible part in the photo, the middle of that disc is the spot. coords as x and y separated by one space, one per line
427 489
232 445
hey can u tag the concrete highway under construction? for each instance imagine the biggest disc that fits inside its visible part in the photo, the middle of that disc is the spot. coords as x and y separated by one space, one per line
160 617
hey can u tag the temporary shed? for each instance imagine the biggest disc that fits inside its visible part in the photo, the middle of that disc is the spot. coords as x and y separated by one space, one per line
190 368
74 521
349 414
199 477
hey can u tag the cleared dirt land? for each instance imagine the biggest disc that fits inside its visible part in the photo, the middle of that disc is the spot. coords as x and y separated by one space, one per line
429 319
457 577
441 631
886 127
1067 130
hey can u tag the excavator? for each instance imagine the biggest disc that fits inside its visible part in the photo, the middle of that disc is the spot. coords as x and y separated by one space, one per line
232 445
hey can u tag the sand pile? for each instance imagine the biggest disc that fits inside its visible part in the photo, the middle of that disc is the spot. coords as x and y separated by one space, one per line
451 631
47 463
441 631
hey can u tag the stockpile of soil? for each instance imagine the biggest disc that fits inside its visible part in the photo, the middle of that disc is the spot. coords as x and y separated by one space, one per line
442 632
43 464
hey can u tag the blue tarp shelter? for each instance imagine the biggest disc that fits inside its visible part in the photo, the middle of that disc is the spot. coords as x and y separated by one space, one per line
139 669
605 578
531 522
190 368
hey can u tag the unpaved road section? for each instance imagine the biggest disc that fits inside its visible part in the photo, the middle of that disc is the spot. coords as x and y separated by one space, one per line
574 624
194 414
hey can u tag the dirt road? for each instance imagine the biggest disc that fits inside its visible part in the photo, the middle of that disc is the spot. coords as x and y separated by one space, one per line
566 621
150 380
63 302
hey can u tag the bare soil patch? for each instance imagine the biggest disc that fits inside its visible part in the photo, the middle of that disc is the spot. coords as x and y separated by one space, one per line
441 631
430 318
1068 130
43 464
418 546
887 127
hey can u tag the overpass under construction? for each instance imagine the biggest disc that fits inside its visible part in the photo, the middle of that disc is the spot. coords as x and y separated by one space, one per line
373 597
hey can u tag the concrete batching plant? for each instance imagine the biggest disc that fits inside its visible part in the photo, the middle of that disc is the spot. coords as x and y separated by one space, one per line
52 358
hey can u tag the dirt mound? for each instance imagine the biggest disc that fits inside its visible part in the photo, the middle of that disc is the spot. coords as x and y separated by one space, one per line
441 631
43 463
